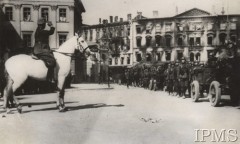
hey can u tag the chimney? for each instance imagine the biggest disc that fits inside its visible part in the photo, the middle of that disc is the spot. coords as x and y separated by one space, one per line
223 11
139 14
213 10
121 19
116 19
100 20
106 21
111 19
176 10
155 14
129 17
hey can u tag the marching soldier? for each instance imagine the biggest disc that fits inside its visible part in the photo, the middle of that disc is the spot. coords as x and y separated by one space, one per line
169 73
183 77
176 80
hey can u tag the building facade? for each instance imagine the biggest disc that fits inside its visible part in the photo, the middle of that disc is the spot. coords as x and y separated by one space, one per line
18 23
115 52
193 35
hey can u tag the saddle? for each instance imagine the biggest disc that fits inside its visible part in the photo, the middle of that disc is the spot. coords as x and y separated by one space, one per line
48 59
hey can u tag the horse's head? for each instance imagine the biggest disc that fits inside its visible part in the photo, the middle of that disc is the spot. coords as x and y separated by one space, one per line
82 45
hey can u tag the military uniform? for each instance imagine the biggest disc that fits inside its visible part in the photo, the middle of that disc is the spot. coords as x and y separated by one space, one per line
176 79
169 73
42 48
183 76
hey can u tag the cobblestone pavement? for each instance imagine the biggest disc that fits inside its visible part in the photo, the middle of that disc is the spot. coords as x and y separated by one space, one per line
101 115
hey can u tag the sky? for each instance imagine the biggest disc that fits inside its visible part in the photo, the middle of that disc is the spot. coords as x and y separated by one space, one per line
96 9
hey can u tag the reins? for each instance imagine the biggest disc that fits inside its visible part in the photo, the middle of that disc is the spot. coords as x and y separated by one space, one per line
69 54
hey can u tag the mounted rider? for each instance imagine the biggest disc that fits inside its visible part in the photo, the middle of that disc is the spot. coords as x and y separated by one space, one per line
42 49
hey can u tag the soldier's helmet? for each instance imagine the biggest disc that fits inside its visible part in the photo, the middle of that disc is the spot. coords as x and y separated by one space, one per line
195 63
41 21
202 64
183 60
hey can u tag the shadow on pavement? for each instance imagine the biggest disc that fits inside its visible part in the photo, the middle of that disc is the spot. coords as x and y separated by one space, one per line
43 103
92 88
89 106
73 108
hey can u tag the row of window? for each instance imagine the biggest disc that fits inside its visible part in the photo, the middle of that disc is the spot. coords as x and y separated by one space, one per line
121 61
27 13
149 57
191 27
27 39
193 41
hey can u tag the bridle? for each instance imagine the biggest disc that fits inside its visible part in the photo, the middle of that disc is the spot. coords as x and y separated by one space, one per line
78 45
71 54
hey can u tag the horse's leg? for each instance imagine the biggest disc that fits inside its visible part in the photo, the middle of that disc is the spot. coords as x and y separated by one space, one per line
61 92
8 92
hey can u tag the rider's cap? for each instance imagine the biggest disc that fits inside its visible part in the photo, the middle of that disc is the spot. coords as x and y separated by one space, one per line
41 21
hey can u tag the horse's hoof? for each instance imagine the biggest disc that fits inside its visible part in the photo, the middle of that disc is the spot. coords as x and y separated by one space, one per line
62 109
19 109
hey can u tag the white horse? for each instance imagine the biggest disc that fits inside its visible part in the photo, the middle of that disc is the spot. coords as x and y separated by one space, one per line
20 67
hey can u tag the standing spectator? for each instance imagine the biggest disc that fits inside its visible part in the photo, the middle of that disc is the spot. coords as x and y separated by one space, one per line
127 77
183 76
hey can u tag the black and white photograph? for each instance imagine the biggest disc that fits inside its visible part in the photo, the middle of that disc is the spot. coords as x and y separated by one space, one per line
119 71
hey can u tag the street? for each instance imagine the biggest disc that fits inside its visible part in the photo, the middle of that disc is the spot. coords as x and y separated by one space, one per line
117 115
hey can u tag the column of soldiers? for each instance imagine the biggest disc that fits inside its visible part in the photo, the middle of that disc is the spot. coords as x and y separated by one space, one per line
174 77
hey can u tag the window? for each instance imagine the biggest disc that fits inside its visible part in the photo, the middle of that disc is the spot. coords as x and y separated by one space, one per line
122 60
27 39
198 56
128 60
62 38
128 31
168 27
104 57
180 41
138 29
148 41
233 38
116 61
198 41
86 34
222 38
44 13
168 41
179 55
191 56
223 26
233 26
158 28
91 35
191 41
209 41
9 13
158 40
62 14
210 26
158 57
26 14
110 61
139 40
138 57
168 56
148 57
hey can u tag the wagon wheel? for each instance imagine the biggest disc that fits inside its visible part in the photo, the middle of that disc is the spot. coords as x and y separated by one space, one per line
215 93
195 91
